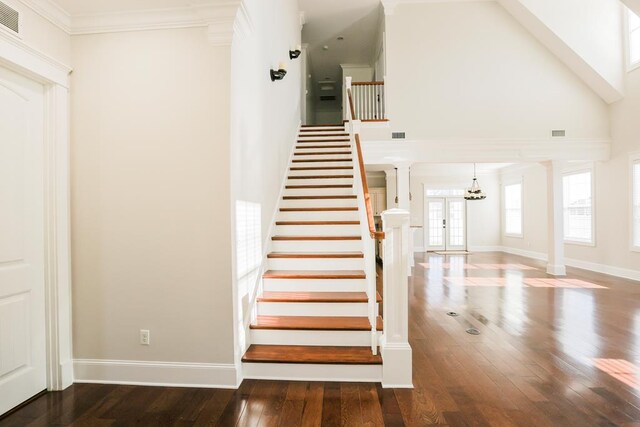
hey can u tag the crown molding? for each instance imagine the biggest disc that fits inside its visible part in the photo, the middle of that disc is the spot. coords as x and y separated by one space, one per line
52 12
221 18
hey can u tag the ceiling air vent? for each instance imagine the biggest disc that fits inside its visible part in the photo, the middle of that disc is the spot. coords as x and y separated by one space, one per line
9 18
558 133
398 135
328 98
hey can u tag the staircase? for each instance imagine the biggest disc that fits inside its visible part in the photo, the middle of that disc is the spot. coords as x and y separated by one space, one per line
313 314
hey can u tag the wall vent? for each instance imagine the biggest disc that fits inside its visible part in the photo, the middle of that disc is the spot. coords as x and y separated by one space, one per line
9 18
398 135
328 98
558 133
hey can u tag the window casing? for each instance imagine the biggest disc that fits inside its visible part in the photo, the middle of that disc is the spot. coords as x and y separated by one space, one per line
633 39
578 207
513 210
635 203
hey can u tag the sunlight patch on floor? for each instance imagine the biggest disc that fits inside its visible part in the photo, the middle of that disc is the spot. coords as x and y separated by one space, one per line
527 282
448 266
619 369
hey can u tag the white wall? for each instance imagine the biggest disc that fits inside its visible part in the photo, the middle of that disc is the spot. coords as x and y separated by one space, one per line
534 219
40 34
151 228
491 79
265 120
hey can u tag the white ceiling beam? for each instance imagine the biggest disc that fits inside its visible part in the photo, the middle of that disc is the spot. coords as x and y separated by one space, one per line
485 151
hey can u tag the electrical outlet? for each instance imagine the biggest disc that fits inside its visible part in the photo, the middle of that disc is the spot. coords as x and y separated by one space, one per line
145 337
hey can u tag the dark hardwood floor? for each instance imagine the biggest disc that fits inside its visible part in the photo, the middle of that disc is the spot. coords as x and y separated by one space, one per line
550 353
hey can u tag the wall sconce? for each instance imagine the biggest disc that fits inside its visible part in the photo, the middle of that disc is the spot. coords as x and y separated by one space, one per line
279 73
295 54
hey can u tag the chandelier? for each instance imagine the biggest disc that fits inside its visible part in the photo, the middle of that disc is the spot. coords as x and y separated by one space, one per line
474 192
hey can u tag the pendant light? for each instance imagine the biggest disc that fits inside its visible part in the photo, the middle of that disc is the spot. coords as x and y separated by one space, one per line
474 192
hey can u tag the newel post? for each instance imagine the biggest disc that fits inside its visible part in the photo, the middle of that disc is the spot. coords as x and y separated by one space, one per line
396 351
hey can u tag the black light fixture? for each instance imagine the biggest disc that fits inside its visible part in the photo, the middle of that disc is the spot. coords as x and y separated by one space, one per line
474 192
279 73
295 54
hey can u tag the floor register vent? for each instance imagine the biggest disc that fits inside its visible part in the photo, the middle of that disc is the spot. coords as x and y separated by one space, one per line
9 18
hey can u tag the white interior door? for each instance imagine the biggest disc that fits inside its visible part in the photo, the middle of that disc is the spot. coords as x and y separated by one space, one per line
22 308
456 224
435 236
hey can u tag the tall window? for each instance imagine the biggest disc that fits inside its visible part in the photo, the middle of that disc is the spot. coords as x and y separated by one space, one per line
634 39
578 209
635 188
513 209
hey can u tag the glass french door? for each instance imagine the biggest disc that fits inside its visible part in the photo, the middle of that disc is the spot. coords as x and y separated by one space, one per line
445 224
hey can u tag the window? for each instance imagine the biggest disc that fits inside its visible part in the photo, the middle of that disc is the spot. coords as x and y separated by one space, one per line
445 192
513 209
578 207
634 38
635 205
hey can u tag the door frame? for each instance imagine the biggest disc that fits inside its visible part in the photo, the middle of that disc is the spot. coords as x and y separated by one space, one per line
22 59
425 213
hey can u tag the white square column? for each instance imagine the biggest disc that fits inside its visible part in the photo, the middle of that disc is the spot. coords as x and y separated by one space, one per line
555 219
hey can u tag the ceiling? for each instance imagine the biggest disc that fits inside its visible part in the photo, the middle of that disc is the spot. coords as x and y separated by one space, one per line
326 20
84 7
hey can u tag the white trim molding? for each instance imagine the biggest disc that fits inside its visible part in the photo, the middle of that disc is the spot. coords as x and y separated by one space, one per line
52 12
162 374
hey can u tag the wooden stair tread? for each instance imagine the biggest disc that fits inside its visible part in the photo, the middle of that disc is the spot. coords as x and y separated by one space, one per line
320 177
312 147
321 160
314 274
320 168
312 186
311 134
319 197
311 354
307 141
322 153
317 222
316 323
330 209
299 238
317 297
313 255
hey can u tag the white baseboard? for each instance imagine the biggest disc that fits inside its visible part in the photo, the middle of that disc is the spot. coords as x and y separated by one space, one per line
484 248
166 374
611 270
624 273
525 253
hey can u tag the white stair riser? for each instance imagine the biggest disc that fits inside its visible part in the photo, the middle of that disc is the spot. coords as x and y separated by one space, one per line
312 372
324 145
313 309
346 157
319 191
335 135
323 128
298 246
321 164
321 181
316 264
317 230
319 216
319 203
314 285
321 172
330 338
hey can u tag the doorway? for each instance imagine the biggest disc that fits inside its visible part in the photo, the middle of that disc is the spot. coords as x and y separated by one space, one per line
445 224
23 357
